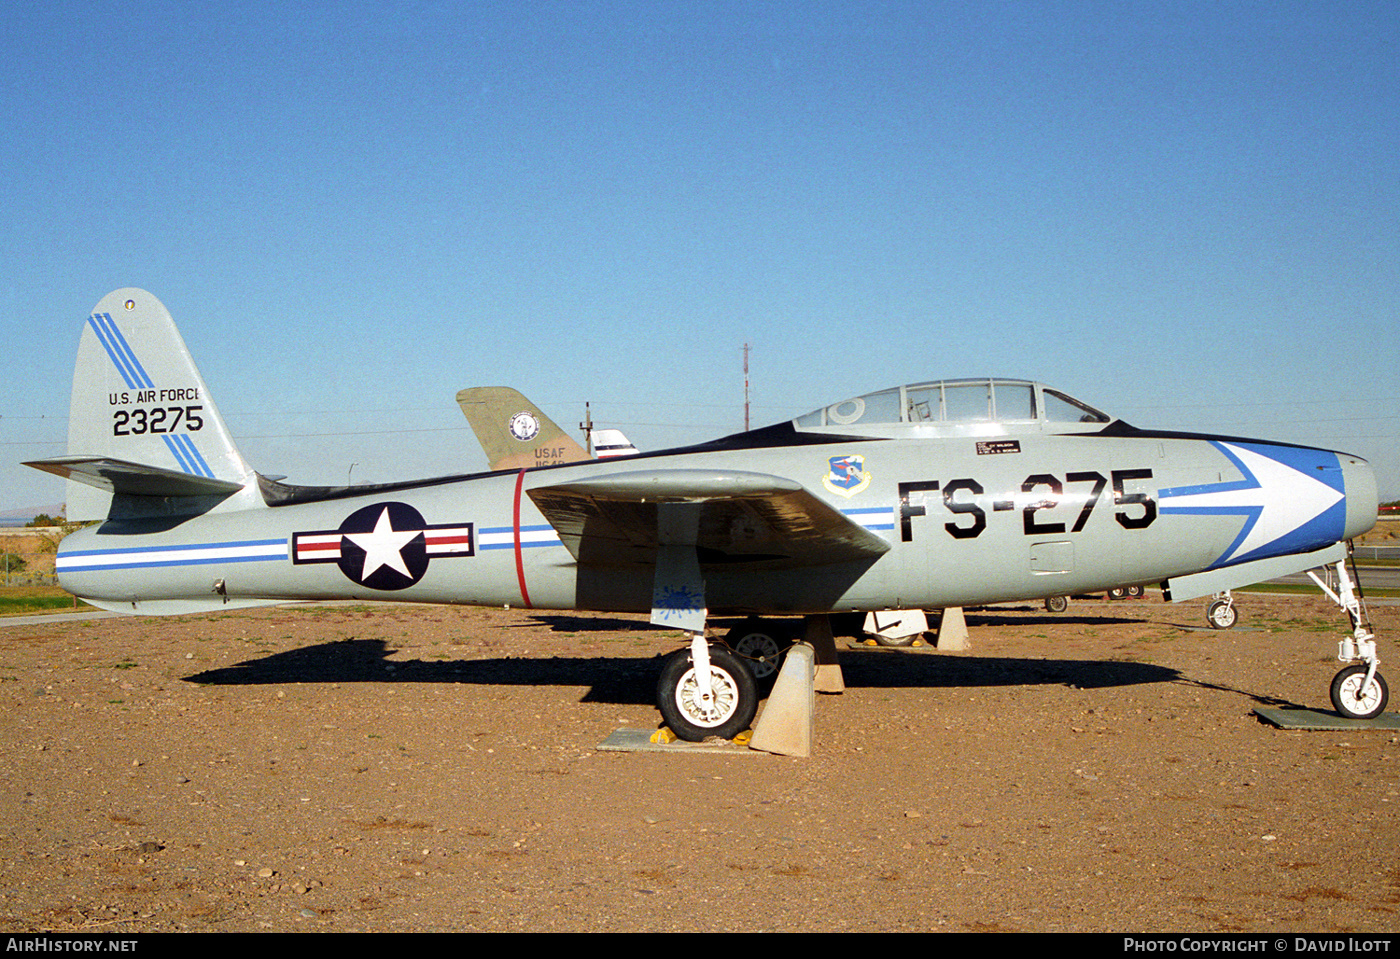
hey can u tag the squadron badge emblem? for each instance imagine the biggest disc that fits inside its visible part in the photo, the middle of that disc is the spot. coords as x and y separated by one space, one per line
846 475
524 426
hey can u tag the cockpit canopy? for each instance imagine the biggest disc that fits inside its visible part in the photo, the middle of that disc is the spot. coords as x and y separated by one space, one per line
973 407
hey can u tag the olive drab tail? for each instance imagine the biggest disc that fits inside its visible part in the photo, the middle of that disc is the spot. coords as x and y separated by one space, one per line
514 433
144 435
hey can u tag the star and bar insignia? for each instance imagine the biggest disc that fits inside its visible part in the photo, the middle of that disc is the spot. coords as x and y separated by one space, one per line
385 546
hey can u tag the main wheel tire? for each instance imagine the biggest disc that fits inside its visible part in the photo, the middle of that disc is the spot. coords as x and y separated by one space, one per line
1222 614
1354 702
1118 592
726 713
1136 592
1056 604
759 645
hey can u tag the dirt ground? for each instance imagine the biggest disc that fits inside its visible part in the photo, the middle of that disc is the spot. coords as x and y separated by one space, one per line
385 768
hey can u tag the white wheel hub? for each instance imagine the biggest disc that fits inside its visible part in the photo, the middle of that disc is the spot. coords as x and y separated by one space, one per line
712 709
1360 701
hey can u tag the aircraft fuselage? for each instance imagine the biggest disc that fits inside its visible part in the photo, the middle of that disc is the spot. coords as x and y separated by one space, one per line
967 521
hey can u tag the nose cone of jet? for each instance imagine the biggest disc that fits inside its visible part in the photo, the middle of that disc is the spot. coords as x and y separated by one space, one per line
1360 486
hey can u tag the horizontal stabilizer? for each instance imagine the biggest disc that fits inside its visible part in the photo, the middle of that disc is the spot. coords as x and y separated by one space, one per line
742 517
133 479
1247 574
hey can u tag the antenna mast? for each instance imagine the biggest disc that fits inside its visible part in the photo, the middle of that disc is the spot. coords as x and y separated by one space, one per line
587 427
746 387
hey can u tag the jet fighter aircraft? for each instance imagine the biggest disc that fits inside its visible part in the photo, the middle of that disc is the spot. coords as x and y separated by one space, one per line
937 494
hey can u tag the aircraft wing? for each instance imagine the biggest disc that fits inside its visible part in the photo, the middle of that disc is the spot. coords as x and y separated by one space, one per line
729 516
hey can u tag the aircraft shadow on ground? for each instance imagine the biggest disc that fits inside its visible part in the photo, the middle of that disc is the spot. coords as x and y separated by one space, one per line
632 680
565 623
1048 619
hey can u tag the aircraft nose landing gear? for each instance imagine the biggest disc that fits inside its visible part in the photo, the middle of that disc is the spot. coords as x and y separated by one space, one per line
1359 691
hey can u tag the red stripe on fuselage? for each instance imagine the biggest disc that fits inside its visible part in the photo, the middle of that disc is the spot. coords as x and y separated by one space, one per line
519 559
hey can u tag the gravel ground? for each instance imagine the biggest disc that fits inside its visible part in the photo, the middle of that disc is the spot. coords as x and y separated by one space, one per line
384 768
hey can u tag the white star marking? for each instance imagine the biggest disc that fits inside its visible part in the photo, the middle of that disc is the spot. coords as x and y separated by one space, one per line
384 546
1285 497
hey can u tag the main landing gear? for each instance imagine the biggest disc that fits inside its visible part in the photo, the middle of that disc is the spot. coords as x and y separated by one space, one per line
1359 691
706 691
709 689
761 644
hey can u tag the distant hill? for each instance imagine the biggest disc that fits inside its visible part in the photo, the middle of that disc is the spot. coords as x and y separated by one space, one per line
22 515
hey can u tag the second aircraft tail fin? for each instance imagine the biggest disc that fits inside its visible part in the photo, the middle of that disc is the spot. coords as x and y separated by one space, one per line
513 431
608 443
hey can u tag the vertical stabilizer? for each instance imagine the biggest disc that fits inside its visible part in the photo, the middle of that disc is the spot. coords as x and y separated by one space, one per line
609 443
513 431
138 398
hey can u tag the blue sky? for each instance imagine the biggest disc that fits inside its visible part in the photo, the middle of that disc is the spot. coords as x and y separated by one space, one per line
1184 213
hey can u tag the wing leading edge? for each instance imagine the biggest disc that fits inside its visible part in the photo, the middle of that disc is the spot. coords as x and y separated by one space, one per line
732 516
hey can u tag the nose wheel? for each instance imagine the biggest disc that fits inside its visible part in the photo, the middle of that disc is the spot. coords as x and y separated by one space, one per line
1357 695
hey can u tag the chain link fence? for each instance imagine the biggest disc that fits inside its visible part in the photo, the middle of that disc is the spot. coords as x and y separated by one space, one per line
26 556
